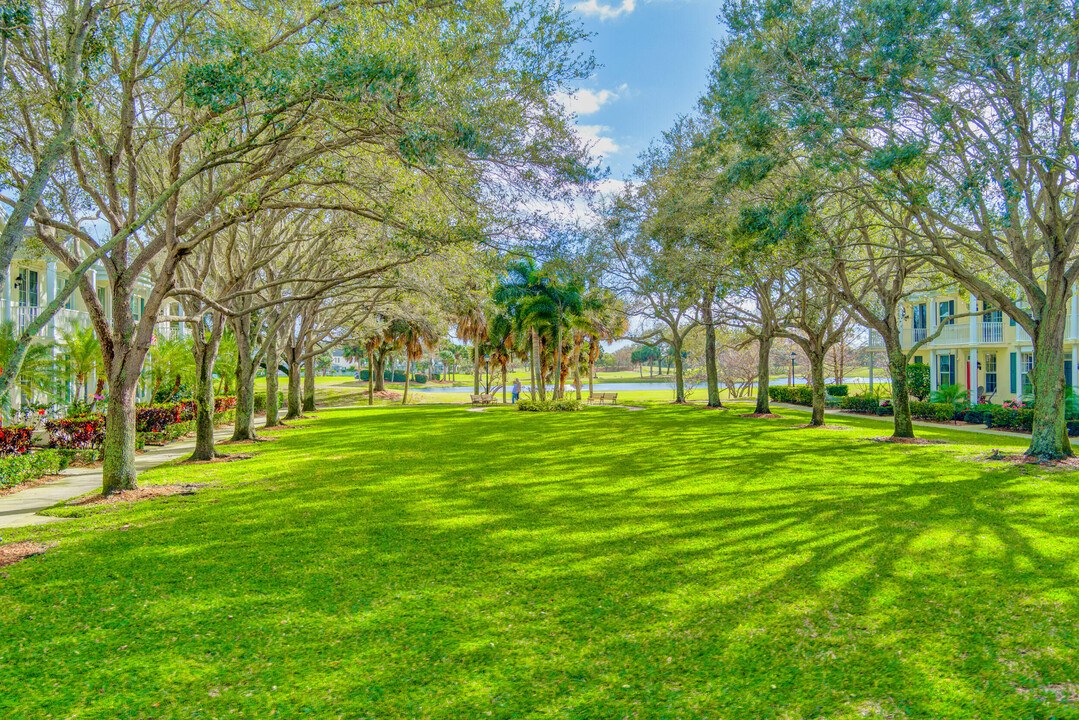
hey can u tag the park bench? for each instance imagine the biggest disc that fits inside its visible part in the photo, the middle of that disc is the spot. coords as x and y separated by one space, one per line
601 397
482 399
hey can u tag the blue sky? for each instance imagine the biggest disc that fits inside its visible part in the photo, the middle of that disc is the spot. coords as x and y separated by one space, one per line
654 56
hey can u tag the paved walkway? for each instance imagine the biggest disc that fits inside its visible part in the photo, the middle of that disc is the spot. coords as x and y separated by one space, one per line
20 508
981 429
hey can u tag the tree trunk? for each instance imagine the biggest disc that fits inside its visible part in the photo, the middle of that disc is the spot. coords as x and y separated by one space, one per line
408 375
1049 435
764 352
710 352
504 382
118 472
273 409
540 381
577 372
816 364
205 352
295 408
903 426
309 384
476 367
558 360
380 378
370 378
244 427
679 378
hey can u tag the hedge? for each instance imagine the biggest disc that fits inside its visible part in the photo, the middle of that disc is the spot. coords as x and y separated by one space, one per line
1010 418
395 376
178 430
837 390
979 414
859 403
797 395
937 412
565 404
15 469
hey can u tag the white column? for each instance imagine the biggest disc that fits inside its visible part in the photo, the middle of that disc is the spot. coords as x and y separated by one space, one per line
933 370
1075 316
1075 368
973 375
50 292
973 319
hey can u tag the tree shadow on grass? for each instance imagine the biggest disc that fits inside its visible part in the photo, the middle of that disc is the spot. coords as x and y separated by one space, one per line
616 565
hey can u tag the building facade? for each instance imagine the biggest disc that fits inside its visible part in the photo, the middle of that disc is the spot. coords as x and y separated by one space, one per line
987 353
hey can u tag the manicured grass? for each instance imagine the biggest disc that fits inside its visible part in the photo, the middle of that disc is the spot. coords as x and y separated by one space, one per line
668 563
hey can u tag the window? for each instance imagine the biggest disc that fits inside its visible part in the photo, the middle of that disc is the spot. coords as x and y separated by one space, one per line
28 288
1026 367
990 373
917 359
946 370
61 281
945 310
919 322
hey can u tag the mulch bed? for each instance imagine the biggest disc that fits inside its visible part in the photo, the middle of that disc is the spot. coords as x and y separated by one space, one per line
29 484
14 552
908 441
1071 463
822 427
765 416
387 395
221 459
143 493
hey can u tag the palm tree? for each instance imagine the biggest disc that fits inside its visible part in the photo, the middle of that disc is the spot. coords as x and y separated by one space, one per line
38 371
472 327
412 336
170 359
606 321
501 338
83 353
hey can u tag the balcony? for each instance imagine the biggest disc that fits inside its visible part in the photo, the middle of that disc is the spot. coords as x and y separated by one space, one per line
64 321
990 332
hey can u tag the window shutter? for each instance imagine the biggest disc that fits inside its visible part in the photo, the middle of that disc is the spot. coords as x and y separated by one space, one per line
1011 321
1012 361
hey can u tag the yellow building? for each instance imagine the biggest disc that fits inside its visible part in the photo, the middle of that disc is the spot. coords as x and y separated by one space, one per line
986 353
32 284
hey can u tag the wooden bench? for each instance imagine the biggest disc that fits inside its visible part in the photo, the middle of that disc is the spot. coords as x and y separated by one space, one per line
482 399
601 397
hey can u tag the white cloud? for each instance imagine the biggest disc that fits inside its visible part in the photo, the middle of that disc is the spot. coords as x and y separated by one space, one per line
592 8
586 102
596 141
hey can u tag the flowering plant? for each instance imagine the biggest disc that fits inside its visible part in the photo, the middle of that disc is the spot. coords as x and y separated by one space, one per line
1014 404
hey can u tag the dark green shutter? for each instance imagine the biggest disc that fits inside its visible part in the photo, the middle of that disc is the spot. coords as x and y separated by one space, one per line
1011 321
1012 361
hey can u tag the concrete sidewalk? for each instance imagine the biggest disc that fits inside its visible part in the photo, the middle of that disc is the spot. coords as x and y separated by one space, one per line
20 508
980 429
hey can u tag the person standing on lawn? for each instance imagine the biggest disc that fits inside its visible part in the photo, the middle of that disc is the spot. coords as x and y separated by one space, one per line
516 391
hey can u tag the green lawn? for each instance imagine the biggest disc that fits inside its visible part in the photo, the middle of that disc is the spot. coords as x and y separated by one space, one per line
668 563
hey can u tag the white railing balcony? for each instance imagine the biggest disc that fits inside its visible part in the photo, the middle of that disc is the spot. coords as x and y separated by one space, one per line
22 316
67 320
918 334
953 334
990 332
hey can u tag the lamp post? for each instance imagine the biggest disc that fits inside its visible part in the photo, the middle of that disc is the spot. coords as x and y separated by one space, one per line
487 362
791 381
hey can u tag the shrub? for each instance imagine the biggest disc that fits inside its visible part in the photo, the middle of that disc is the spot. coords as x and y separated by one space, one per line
936 412
918 380
798 395
87 431
157 417
18 468
225 402
566 404
979 414
1011 418
15 439
260 401
388 376
837 390
1073 428
860 403
419 378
